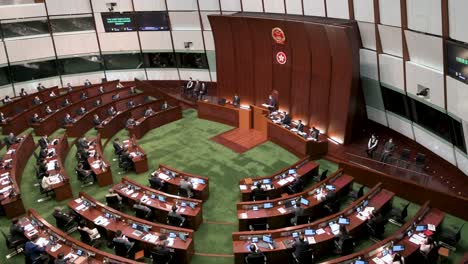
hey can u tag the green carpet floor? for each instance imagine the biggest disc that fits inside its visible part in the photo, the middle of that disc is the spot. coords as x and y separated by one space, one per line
186 145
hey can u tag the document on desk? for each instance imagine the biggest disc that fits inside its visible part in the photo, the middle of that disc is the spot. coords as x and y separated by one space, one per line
361 217
42 242
290 179
281 210
243 187
431 227
128 192
56 247
388 259
163 176
78 200
243 215
134 195
170 241
282 182
311 240
51 165
378 260
320 231
28 227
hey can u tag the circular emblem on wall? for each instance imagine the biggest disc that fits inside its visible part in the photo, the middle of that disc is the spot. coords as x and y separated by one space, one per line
281 57
278 35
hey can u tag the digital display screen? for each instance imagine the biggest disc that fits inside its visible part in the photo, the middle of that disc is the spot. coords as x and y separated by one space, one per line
152 21
457 61
118 22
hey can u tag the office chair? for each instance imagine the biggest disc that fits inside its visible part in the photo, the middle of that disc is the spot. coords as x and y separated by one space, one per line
420 160
49 193
259 226
257 259
320 177
449 238
307 257
86 180
356 195
120 249
85 238
183 193
376 230
140 213
113 202
404 157
175 221
66 226
260 197
160 258
302 219
296 187
14 247
346 247
331 207
397 216
155 185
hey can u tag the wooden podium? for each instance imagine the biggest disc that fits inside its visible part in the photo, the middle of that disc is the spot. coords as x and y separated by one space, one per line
259 119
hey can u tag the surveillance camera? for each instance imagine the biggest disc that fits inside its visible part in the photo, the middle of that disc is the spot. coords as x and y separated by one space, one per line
423 92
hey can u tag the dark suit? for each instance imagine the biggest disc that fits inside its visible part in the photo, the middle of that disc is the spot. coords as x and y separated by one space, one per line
164 252
258 192
10 140
37 101
96 104
111 112
164 106
65 103
273 104
117 148
300 127
33 251
43 143
17 233
81 111
300 247
298 211
286 120
130 104
236 101
83 96
96 121
254 256
176 215
69 120
35 120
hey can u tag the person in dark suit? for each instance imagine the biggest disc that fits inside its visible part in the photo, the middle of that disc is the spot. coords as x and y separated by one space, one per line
175 214
63 216
11 140
119 86
48 110
314 134
149 111
40 87
300 126
258 192
97 103
298 211
189 86
164 106
66 102
111 111
3 119
163 252
272 104
17 232
96 120
69 87
196 88
61 259
203 91
117 147
254 254
132 90
7 100
142 207
236 100
43 142
341 236
130 104
116 96
23 93
68 120
36 101
35 119
82 143
35 252
83 96
101 90
120 238
155 181
81 111
286 119
389 147
130 122
300 246
87 83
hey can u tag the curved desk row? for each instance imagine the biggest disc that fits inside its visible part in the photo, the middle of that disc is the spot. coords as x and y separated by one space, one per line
133 192
322 237
56 168
63 243
98 164
85 122
160 118
21 104
277 214
139 158
172 178
276 182
10 196
108 221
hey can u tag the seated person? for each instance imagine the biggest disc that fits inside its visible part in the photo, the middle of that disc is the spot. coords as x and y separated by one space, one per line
7 100
130 122
163 252
173 213
40 87
43 142
11 140
272 104
82 143
297 185
69 87
81 111
84 175
341 236
87 83
3 119
372 145
189 86
314 133
117 147
48 110
68 120
17 232
300 246
149 111
298 211
143 208
132 90
286 119
156 182
130 104
116 96
36 101
42 154
300 126
96 120
122 239
93 233
101 89
398 259
42 170
23 93
165 106
119 86
34 252
259 192
35 119
61 259
97 103
254 255
113 196
83 96
236 100
186 185
66 102
65 218
46 182
125 160
52 94
111 111
427 245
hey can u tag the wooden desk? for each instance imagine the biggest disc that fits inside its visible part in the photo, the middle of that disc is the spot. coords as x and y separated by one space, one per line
54 121
98 164
19 154
200 191
278 216
193 217
68 244
160 118
259 119
323 243
227 114
140 160
20 104
62 190
120 221
304 168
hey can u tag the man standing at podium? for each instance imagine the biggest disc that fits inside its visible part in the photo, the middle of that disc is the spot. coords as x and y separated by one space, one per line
272 105
236 100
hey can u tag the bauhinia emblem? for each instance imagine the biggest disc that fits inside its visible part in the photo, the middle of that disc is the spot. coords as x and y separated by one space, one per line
281 57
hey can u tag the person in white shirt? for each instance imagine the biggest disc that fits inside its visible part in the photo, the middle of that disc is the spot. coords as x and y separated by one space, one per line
46 181
427 246
93 233
398 259
189 86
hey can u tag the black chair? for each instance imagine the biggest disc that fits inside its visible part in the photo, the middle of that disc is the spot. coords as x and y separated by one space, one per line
307 257
120 249
14 247
113 202
356 195
183 193
430 258
346 247
420 160
259 226
404 157
331 207
450 237
257 259
155 185
397 216
86 180
260 197
320 177
140 213
67 226
175 221
49 194
86 238
302 219
160 258
376 230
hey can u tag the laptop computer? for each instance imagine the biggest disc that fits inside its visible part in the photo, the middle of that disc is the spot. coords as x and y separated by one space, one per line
343 221
397 248
309 232
292 171
421 228
268 205
330 187
304 201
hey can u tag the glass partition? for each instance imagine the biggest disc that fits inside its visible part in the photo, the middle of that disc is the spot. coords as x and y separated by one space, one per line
33 70
71 24
4 76
123 61
192 60
159 60
24 28
81 64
